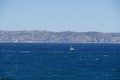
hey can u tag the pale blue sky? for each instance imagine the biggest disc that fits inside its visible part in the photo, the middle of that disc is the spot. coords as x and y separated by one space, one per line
60 15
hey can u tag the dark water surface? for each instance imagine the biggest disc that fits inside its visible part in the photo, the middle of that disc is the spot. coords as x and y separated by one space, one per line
35 61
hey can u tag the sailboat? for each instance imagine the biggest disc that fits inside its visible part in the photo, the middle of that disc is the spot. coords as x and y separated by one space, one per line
71 49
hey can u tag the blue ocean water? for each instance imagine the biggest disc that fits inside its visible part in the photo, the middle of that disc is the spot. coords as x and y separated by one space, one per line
38 61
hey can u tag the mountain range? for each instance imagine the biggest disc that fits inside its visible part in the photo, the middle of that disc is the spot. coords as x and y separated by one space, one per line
37 36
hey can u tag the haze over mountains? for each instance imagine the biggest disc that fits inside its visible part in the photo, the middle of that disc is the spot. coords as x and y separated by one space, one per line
59 37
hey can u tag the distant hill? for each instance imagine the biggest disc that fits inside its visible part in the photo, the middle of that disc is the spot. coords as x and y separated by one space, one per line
59 37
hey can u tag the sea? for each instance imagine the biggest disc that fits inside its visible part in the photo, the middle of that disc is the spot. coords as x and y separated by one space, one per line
55 61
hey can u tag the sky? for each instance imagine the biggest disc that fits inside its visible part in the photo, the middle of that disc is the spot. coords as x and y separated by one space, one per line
60 15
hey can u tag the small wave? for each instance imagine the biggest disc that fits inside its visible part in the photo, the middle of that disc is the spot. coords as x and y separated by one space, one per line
16 51
105 55
24 51
80 59
96 59
11 51
7 51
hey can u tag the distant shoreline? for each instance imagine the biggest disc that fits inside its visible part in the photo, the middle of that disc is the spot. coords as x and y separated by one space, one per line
58 37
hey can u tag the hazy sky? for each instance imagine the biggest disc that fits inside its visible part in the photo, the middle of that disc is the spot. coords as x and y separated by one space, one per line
60 15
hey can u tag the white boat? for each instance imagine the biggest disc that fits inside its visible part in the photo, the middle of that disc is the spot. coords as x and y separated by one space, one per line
71 49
